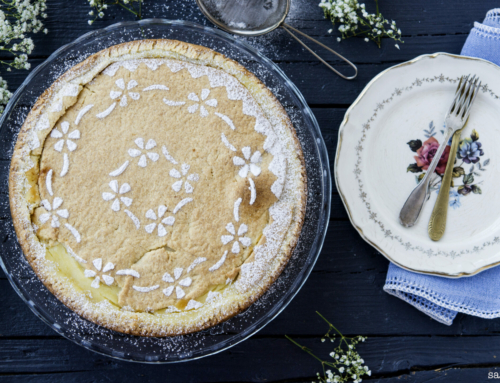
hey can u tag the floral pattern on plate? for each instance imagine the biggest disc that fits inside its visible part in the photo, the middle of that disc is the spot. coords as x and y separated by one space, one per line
469 152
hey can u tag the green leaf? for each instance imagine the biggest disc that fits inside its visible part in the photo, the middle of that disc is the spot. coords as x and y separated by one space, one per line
468 179
476 189
458 172
415 145
474 135
414 168
419 177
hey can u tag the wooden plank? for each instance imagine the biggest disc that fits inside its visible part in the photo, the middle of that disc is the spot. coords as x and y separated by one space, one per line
322 84
345 286
273 359
66 23
280 48
316 82
154 374
329 120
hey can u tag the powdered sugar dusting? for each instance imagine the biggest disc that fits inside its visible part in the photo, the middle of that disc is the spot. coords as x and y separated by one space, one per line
48 182
43 122
272 148
134 219
65 167
120 170
82 112
219 263
107 112
145 289
253 191
192 304
74 255
181 204
75 232
226 119
226 142
195 263
130 272
155 87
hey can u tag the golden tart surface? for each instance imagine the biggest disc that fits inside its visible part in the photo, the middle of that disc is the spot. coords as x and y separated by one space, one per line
157 188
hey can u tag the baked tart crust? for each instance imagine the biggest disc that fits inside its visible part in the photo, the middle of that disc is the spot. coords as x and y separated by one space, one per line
157 188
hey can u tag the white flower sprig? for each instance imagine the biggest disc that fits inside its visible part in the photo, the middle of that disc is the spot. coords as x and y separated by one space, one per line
99 6
354 20
5 95
346 360
18 18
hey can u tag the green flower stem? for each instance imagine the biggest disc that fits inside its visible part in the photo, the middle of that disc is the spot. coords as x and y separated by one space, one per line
127 8
346 362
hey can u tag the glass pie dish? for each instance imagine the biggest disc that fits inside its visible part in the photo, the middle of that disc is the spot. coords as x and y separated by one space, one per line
222 336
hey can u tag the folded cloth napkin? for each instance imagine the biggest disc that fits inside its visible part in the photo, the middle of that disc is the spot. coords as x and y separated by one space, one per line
442 298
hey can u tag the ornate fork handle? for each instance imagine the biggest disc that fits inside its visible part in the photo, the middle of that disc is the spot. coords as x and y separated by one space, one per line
455 120
413 205
437 223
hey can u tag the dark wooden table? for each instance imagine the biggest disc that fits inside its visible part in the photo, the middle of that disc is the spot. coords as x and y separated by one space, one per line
346 284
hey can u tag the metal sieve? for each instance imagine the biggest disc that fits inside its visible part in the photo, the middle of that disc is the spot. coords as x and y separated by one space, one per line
258 17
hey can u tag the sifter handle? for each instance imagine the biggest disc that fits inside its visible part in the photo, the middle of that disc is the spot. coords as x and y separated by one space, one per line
288 28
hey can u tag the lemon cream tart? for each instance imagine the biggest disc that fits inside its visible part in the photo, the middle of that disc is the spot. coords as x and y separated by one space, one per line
157 188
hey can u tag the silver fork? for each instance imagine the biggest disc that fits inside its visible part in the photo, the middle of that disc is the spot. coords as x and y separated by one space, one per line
455 120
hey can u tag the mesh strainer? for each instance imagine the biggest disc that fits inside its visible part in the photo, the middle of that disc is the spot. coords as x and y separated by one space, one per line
258 17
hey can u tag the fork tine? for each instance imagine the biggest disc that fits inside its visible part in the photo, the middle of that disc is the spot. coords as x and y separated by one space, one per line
458 92
473 87
467 101
465 96
476 91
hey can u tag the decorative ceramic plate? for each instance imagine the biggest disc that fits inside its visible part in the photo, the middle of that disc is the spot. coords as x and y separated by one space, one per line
386 142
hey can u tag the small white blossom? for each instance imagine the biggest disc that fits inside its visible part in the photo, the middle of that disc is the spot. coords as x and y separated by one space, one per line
200 104
108 279
144 152
355 20
5 95
162 209
17 18
347 361
100 5
116 195
250 162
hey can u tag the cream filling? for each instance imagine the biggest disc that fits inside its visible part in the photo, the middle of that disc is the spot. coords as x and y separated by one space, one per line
69 268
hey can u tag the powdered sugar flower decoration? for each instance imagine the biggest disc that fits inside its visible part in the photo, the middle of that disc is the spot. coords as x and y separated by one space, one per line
65 137
165 221
125 188
236 237
120 83
144 155
250 162
108 279
204 95
184 178
178 283
52 212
